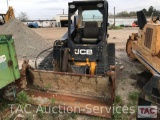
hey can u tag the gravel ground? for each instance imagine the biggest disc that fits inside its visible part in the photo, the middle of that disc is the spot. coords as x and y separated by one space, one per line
27 42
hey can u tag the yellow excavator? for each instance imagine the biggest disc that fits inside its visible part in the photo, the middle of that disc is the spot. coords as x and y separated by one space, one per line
145 46
6 17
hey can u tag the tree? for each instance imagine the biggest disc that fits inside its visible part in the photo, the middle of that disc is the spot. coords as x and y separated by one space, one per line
132 13
110 15
23 16
150 10
157 13
145 11
123 14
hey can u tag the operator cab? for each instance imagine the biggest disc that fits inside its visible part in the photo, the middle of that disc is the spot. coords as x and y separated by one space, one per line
88 29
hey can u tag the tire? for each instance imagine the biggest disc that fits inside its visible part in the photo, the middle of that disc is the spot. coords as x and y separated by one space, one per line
129 50
65 60
111 54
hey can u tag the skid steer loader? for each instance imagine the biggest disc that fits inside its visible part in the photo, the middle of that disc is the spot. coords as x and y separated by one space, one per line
83 78
84 63
145 46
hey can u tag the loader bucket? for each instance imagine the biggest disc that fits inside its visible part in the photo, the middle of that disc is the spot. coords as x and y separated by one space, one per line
150 95
86 94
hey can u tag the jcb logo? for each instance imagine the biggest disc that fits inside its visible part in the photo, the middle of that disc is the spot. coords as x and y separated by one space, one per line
83 51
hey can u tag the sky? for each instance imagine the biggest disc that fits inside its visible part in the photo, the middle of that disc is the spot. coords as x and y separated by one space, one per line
47 9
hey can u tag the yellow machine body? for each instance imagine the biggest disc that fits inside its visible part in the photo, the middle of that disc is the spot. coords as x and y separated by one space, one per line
145 46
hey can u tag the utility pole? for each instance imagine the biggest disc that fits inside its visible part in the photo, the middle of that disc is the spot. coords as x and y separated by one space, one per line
7 4
63 11
114 16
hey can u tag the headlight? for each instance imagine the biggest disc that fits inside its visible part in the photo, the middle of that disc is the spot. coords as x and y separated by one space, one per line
99 5
72 6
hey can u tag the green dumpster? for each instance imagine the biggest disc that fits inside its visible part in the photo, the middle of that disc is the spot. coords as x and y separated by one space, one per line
9 70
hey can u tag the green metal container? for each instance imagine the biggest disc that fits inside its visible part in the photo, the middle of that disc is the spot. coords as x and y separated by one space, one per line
9 70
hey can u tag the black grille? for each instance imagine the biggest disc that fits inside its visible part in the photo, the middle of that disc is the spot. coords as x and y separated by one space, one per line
148 37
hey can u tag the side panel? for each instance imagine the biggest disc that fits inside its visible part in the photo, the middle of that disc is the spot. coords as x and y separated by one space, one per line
157 49
146 58
9 70
149 38
146 53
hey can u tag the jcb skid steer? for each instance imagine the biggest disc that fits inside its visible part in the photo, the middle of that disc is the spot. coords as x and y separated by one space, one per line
145 46
83 78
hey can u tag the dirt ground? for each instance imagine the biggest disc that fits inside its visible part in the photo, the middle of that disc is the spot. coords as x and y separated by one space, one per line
126 81
51 34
